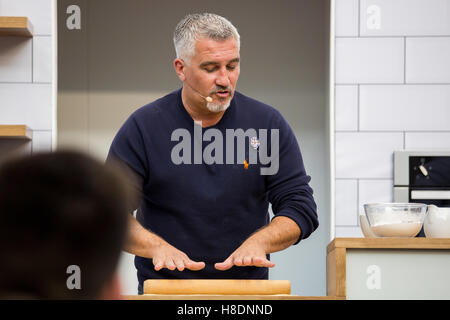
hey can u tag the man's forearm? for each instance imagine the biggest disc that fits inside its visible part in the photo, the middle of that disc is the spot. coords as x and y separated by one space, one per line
140 241
280 234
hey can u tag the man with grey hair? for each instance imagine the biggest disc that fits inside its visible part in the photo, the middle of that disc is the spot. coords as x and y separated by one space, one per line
202 216
203 30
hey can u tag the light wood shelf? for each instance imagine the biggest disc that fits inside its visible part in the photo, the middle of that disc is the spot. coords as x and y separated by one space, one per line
389 243
16 26
16 132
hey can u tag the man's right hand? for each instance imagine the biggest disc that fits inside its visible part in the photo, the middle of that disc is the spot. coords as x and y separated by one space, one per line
143 243
167 256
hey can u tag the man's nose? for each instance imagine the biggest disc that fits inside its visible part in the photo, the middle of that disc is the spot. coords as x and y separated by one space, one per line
223 78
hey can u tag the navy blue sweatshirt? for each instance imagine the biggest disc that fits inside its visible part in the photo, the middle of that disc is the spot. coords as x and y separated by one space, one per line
208 210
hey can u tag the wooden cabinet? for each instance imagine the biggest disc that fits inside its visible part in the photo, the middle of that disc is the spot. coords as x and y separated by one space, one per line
388 268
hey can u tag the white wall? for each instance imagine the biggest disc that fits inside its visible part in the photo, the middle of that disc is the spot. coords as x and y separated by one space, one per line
392 92
26 77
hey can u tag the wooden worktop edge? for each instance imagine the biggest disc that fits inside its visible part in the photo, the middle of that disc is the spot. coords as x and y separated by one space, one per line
389 243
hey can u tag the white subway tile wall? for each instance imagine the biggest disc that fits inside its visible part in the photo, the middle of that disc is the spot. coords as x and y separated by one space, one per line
366 154
405 107
404 17
366 60
346 104
347 18
427 60
26 75
26 103
346 202
392 91
42 58
15 59
427 140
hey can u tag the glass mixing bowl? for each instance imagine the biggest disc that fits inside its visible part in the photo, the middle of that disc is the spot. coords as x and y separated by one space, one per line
395 219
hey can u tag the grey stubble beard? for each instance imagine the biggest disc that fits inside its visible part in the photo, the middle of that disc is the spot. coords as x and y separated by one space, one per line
216 107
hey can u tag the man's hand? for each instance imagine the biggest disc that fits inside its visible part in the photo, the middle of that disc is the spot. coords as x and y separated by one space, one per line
250 253
281 233
143 243
167 256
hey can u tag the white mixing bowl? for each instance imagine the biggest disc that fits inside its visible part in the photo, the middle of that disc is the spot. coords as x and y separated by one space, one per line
437 222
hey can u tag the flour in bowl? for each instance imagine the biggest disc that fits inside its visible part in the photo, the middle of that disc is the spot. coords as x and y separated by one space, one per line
405 229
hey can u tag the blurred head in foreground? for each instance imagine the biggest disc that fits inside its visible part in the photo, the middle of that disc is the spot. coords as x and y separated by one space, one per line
63 220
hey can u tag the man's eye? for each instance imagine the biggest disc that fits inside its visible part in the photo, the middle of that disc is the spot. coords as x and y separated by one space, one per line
210 69
231 67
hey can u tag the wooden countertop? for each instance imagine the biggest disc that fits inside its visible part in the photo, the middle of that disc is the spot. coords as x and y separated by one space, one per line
227 297
389 243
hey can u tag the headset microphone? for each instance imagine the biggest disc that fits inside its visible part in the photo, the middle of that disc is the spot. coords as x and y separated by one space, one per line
208 98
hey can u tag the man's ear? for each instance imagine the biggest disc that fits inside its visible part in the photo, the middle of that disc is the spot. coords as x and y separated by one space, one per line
179 68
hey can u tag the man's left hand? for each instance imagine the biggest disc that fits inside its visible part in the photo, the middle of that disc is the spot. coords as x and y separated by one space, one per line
250 253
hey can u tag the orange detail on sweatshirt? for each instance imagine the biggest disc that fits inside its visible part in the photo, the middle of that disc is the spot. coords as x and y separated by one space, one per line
245 164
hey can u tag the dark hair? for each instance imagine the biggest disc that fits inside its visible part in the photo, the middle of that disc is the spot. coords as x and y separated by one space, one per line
60 209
